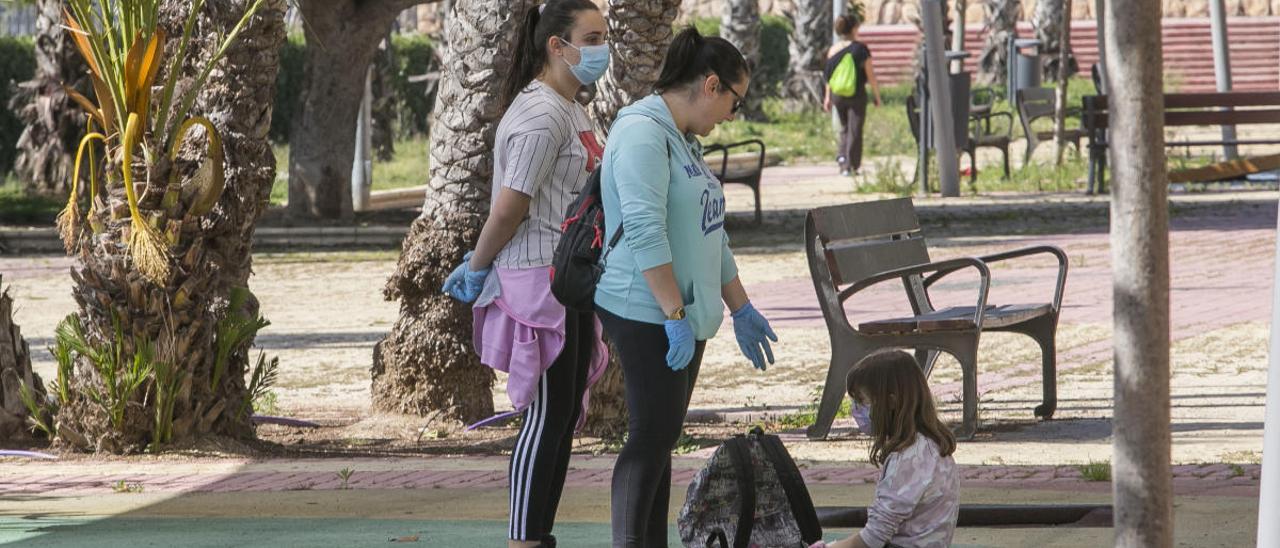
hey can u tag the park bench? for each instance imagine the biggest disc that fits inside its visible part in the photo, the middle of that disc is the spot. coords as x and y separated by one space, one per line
980 133
854 246
747 171
1038 103
1183 109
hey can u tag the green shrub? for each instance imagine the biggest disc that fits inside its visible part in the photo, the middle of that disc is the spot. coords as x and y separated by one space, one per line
288 87
413 56
17 64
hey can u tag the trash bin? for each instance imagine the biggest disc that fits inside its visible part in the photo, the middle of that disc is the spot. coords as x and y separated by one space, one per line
1024 68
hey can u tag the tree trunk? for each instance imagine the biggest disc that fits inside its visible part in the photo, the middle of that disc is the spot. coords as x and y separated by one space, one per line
210 257
740 25
1049 19
640 31
342 38
1002 21
15 372
810 39
1063 77
53 123
1141 474
427 362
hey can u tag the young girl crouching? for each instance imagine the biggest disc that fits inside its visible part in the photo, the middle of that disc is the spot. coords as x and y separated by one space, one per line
918 496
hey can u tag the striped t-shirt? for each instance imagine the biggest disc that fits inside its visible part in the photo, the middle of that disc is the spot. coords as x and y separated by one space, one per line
545 149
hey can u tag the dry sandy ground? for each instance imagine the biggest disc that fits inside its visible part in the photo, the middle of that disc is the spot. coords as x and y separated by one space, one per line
324 340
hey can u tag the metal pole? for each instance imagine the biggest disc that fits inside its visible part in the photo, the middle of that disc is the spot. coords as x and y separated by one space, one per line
1222 69
362 166
837 9
957 38
1268 526
944 135
1098 8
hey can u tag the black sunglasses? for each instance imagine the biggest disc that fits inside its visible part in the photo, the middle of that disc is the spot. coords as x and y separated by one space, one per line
738 101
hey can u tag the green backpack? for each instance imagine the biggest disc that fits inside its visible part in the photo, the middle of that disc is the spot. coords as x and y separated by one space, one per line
844 80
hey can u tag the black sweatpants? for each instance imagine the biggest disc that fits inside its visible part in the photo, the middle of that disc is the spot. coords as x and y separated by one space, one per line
541 456
852 112
657 399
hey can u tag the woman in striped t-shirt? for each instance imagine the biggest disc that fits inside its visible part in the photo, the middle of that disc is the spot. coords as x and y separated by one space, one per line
544 151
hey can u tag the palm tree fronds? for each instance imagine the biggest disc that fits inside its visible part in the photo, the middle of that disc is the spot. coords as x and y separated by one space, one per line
210 179
145 242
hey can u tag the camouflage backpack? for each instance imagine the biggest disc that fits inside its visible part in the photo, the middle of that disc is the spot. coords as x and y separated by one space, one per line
750 494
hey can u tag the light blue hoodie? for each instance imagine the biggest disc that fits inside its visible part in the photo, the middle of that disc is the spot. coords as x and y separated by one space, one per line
655 182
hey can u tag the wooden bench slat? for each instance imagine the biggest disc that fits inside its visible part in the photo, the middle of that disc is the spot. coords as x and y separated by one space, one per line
957 318
860 260
866 220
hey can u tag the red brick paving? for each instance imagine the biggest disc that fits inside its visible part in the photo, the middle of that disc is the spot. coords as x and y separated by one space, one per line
1207 479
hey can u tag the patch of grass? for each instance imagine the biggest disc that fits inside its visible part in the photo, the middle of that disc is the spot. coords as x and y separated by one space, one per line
17 208
1247 457
1095 470
408 168
686 444
266 403
122 487
1033 177
809 415
1236 470
345 476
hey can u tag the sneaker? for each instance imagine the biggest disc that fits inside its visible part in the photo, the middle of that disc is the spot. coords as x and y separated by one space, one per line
844 173
841 160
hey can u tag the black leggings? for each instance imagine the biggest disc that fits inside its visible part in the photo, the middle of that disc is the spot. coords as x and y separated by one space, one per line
540 459
657 399
852 112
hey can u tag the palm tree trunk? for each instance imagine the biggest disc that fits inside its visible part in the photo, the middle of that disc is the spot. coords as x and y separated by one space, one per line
53 123
1002 21
1142 478
1049 18
740 25
641 32
810 40
427 363
15 373
210 257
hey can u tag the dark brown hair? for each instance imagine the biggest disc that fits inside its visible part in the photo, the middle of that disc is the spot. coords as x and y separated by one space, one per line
692 56
846 23
901 404
555 18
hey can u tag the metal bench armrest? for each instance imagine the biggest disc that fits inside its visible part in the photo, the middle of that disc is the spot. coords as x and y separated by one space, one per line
1014 254
948 266
724 148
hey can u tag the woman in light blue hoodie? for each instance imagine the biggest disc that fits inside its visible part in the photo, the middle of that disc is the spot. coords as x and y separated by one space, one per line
667 282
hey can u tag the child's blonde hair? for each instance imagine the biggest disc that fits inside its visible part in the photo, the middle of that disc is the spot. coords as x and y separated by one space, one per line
900 402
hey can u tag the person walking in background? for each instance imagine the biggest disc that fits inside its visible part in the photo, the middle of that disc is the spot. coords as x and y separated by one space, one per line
544 152
666 284
848 71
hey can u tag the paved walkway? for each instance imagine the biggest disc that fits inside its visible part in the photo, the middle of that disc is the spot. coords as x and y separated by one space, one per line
232 475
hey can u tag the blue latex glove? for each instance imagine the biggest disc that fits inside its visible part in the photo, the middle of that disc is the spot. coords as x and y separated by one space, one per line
679 343
753 333
463 283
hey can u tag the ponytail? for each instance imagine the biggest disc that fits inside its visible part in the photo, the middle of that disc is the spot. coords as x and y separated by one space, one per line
529 54
693 56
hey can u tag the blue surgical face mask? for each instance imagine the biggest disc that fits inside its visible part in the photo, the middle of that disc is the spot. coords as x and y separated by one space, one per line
593 61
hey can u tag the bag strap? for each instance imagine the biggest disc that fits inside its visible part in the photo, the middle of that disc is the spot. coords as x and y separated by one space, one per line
717 538
793 485
740 456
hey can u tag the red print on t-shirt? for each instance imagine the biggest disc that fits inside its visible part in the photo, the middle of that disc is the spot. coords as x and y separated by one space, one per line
594 151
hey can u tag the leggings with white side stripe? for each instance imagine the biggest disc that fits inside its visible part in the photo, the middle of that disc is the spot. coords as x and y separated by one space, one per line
540 459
